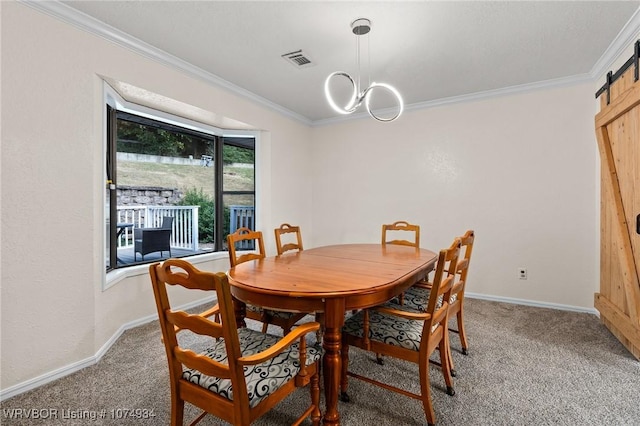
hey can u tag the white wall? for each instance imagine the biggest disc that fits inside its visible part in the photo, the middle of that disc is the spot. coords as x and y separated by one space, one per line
54 312
525 164
519 170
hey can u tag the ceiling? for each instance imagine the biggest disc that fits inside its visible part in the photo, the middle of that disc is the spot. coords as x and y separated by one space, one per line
428 50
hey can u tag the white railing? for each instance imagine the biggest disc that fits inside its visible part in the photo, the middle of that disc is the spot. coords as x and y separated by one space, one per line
184 233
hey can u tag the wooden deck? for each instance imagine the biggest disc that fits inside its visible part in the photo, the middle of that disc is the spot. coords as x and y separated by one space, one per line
125 255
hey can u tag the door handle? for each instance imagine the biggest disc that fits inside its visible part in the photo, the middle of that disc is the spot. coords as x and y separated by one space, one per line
638 224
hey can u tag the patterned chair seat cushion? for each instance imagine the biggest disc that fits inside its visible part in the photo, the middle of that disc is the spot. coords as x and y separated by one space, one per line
418 298
262 379
386 328
274 314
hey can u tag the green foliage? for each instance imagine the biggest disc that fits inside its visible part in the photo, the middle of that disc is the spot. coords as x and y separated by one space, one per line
234 154
206 214
140 139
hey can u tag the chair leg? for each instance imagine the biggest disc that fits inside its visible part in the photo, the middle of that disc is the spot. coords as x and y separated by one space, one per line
315 398
447 345
425 392
177 410
320 319
344 353
266 320
445 362
461 332
452 370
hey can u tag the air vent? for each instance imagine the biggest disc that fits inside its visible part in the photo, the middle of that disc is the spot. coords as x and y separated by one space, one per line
298 59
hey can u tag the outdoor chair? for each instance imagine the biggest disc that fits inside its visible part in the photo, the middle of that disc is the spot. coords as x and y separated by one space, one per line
283 319
413 336
236 374
149 240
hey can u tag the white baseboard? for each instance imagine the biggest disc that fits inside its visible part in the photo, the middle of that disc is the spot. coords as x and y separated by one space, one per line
87 362
537 304
79 365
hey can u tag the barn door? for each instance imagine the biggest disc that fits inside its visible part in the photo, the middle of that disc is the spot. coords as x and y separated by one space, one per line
618 135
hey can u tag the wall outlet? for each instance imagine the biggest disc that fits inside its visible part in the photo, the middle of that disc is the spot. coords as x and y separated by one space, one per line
522 273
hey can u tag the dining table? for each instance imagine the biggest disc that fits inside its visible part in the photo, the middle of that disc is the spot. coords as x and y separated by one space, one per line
333 280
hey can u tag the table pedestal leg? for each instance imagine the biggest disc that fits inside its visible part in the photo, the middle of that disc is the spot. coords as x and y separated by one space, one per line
334 320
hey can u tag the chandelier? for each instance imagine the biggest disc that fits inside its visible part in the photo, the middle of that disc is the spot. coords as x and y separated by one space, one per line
361 27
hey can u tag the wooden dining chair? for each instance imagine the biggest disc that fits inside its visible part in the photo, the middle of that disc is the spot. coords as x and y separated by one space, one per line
408 335
404 227
242 373
283 231
284 243
416 296
283 319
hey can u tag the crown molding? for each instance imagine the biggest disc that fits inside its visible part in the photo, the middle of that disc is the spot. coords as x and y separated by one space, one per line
472 97
87 23
80 20
626 37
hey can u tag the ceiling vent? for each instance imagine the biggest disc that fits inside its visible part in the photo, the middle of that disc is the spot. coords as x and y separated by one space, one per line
298 59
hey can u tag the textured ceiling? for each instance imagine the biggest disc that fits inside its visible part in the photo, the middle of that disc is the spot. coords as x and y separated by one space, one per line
428 50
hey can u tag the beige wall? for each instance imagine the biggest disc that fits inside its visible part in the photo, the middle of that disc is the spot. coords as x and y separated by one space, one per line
519 170
54 312
526 164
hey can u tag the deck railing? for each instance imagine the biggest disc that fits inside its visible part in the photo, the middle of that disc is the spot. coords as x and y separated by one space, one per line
185 224
184 233
242 217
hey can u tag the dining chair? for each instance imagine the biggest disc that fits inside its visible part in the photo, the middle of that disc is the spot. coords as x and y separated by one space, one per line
401 226
284 230
283 245
416 296
410 335
236 374
283 319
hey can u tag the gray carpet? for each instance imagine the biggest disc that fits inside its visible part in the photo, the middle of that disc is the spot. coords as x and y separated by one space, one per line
525 366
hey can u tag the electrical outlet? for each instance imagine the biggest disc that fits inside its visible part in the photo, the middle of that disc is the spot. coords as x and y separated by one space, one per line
522 273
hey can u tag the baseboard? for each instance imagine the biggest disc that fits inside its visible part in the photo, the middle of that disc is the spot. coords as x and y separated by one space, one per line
534 303
79 365
87 362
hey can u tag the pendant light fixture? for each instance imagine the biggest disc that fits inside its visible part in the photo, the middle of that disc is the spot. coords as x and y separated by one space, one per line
361 27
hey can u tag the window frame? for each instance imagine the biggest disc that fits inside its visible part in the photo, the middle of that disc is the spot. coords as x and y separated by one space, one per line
114 103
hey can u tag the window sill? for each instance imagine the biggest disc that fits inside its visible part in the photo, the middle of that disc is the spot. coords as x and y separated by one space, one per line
114 277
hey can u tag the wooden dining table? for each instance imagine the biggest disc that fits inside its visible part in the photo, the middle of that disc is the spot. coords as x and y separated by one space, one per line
333 280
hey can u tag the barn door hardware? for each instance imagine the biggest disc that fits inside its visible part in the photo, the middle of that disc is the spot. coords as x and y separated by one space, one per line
611 77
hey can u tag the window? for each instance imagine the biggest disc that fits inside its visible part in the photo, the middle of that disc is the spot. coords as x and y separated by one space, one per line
167 193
